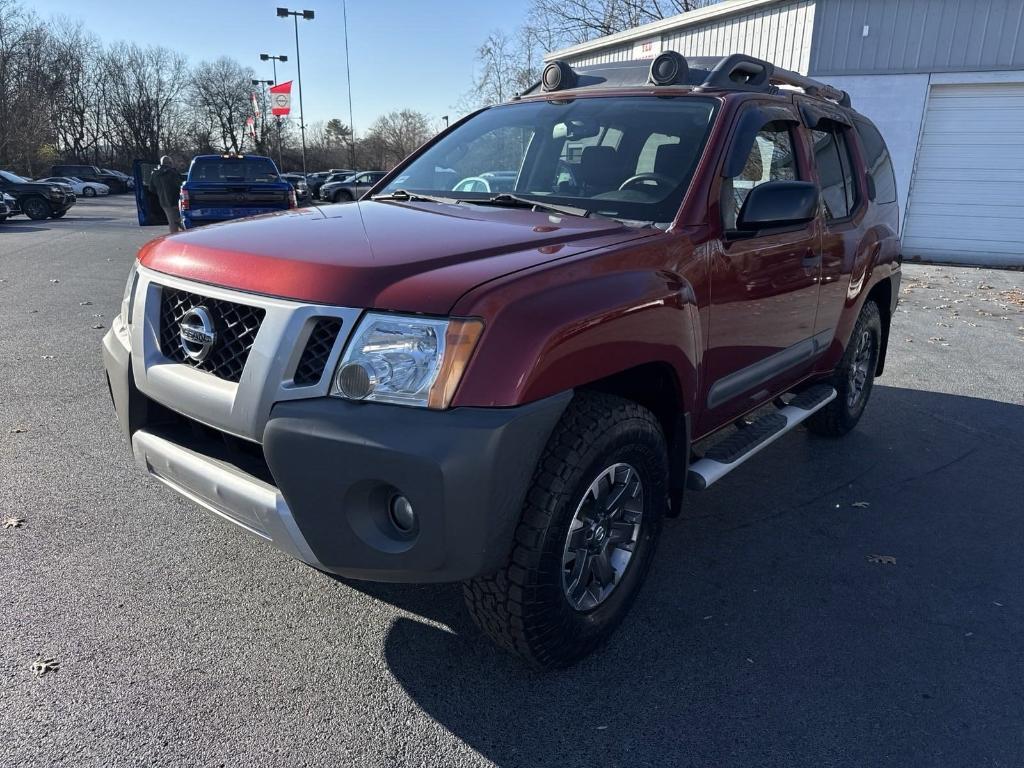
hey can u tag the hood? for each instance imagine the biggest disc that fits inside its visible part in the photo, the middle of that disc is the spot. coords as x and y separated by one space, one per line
403 256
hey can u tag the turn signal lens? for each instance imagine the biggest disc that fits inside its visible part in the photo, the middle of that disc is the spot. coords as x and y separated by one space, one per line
459 342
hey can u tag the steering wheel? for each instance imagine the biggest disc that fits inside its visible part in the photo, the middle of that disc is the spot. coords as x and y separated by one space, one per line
644 179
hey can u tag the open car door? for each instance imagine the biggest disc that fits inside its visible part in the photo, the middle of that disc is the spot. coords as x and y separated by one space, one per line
146 201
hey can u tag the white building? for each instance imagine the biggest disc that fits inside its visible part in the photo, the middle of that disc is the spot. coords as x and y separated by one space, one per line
942 79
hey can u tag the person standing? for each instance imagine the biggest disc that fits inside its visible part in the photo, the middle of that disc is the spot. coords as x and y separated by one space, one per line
166 184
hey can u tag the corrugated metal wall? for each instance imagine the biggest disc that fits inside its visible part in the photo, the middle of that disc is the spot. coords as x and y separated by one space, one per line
780 34
619 53
917 36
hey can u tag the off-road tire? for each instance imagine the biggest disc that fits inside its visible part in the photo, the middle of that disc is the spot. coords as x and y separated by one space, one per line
840 416
35 208
524 607
88 192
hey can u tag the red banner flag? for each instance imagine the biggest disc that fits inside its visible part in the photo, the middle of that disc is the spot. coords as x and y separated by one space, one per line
255 104
281 98
250 123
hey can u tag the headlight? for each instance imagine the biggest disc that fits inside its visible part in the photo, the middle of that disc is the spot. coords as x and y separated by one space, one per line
128 300
407 360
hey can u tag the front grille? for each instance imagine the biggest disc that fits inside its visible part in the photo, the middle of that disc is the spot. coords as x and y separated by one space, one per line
314 357
236 326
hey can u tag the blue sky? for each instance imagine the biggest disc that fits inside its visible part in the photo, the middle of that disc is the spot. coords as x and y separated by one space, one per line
404 53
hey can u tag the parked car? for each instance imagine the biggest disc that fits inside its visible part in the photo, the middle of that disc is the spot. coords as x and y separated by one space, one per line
90 173
314 182
515 389
351 188
13 209
298 182
220 188
129 182
35 199
5 208
79 187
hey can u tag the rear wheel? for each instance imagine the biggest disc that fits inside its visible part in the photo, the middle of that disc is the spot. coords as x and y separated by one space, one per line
88 192
853 378
35 208
586 538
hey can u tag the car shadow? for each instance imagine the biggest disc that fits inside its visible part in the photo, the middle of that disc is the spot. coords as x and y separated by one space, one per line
774 629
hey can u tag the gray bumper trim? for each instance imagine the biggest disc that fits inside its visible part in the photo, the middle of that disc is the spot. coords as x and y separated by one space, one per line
229 493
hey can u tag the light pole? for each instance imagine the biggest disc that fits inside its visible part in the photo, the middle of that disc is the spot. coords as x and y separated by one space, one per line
277 118
284 13
263 90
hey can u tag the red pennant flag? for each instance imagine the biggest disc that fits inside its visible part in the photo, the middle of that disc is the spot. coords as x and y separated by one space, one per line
281 98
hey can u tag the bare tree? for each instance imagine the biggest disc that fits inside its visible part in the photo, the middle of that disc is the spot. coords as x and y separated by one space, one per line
220 93
396 135
144 94
568 22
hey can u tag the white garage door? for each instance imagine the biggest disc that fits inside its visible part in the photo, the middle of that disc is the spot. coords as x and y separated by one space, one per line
967 195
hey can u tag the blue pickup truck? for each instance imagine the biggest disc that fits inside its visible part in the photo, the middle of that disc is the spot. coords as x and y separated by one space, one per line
218 188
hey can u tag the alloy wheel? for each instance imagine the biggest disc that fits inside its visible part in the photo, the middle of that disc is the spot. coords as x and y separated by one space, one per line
602 536
860 368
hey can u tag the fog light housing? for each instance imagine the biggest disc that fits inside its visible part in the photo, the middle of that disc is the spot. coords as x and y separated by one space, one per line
356 380
402 515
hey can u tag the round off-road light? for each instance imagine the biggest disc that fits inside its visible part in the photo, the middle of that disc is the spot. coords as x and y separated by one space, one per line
402 514
558 75
668 68
356 381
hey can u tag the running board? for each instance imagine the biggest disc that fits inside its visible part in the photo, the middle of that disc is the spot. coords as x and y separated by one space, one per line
725 456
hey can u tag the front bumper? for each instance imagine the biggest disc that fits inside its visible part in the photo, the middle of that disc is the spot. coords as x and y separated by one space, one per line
320 483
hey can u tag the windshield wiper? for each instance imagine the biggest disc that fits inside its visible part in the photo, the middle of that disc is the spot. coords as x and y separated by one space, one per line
403 195
515 201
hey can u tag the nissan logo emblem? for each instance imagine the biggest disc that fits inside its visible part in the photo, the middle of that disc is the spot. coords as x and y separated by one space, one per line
197 334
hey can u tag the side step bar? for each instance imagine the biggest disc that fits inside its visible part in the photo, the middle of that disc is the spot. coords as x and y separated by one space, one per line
724 457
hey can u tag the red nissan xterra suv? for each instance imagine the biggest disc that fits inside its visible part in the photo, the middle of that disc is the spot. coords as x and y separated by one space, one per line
505 364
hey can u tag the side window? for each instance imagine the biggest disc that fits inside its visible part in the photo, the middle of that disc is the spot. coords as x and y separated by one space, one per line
771 158
876 155
835 171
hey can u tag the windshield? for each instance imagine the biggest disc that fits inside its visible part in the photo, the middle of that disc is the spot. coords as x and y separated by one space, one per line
628 158
12 177
249 169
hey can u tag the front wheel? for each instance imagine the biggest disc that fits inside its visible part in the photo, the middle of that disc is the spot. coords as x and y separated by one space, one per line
587 535
88 192
342 197
35 208
853 378
58 214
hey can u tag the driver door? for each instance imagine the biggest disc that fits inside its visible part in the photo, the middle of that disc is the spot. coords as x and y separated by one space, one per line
764 284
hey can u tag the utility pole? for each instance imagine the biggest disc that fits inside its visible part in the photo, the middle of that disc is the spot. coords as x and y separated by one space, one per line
308 16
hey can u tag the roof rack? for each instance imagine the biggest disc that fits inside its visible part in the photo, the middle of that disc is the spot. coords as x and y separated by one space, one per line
749 73
737 72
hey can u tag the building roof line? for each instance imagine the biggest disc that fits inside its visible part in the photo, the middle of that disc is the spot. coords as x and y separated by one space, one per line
689 18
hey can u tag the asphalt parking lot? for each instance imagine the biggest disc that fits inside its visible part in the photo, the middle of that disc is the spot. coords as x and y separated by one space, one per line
847 603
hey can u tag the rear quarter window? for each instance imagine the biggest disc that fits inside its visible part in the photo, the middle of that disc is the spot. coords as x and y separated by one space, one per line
879 162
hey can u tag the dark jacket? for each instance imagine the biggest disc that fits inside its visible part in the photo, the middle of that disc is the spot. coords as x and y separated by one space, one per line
166 183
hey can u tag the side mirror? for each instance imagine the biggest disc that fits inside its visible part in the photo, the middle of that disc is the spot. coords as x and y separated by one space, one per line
778 204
